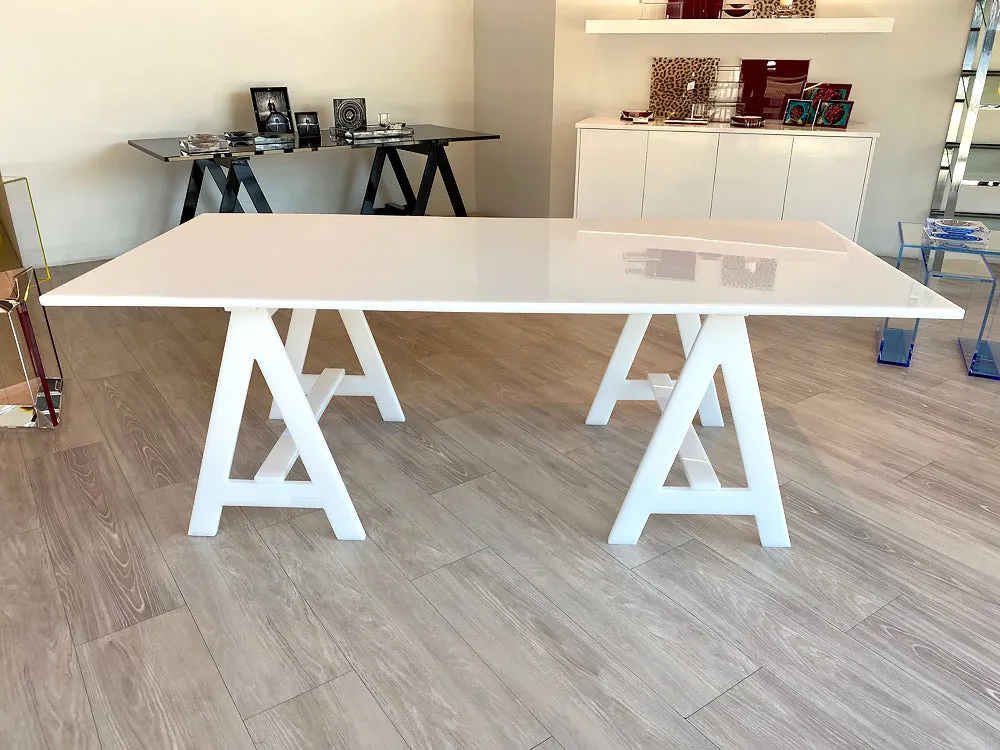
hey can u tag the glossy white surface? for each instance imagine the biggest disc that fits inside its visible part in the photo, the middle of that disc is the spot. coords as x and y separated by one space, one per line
613 174
679 178
613 122
881 25
691 172
751 176
837 196
505 265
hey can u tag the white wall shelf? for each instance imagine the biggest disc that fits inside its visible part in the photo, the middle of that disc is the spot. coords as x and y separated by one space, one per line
744 26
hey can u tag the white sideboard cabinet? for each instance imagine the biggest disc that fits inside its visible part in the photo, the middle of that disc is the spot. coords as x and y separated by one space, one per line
717 171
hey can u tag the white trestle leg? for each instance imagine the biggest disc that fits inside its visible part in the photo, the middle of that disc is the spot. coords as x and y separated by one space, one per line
710 412
616 385
253 338
721 341
374 380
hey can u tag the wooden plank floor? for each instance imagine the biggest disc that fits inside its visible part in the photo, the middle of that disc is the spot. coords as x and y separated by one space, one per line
486 610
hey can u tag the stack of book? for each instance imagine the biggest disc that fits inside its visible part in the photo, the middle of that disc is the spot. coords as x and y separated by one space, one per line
957 233
204 143
274 141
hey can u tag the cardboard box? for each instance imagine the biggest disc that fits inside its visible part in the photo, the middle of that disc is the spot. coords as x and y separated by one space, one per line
10 253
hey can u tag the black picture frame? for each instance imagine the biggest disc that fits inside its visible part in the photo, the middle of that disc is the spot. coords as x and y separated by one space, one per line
265 96
307 124
350 114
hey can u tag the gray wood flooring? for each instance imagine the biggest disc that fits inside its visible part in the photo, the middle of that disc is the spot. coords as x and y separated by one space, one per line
486 610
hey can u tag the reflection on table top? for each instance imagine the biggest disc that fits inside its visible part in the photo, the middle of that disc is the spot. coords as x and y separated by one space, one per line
506 265
912 235
168 149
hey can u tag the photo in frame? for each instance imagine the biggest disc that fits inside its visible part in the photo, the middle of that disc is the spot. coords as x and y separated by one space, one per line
271 109
834 114
307 124
678 83
824 92
799 113
350 114
768 85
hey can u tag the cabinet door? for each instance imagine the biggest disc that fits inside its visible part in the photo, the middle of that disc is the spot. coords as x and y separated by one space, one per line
827 179
610 174
680 175
751 176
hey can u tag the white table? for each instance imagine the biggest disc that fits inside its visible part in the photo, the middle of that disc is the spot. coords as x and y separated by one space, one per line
253 265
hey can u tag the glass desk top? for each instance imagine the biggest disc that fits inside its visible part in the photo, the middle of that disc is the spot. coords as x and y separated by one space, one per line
168 149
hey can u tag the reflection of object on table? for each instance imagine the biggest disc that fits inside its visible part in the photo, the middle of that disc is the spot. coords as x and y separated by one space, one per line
30 373
8 239
679 265
740 272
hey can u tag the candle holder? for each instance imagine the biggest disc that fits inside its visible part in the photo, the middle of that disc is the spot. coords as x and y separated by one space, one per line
31 377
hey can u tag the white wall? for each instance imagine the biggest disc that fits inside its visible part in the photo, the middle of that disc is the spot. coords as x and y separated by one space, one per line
904 84
81 78
514 74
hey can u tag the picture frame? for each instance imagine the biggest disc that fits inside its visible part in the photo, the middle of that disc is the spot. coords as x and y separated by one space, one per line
350 114
307 124
799 113
272 109
768 85
823 91
678 83
834 114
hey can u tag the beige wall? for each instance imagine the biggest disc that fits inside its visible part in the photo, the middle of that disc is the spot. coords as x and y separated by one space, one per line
514 62
903 85
84 77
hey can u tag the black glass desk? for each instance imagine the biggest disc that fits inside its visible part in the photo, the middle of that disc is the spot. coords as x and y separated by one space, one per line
429 140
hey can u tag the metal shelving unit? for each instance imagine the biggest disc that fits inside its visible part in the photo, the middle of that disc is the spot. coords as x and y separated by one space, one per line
954 173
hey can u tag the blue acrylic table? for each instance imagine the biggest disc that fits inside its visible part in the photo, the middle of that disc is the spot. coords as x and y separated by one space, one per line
980 354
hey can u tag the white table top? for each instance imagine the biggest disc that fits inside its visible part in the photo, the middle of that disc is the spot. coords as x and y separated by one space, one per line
771 127
505 265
